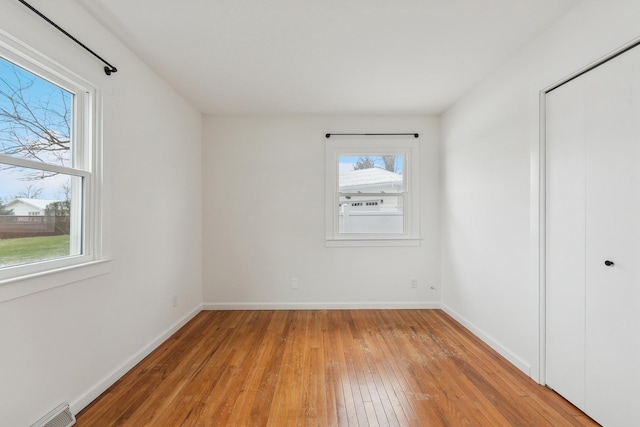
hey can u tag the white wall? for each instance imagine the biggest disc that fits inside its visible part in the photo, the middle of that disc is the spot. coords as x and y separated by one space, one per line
490 176
264 210
70 342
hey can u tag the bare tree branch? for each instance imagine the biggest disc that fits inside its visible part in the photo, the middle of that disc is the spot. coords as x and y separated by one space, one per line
33 126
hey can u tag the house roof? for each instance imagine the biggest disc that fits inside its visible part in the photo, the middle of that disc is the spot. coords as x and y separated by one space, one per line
369 176
36 203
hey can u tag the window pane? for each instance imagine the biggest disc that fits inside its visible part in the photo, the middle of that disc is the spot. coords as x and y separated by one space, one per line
35 117
370 174
39 218
363 214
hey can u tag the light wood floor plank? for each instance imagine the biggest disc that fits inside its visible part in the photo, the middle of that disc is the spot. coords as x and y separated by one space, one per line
327 368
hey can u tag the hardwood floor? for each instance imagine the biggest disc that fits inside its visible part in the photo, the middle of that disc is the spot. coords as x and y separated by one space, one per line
327 368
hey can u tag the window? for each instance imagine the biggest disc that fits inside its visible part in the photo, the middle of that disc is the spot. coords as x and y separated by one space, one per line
49 160
372 191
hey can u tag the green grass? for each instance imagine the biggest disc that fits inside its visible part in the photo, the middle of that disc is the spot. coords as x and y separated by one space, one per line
30 249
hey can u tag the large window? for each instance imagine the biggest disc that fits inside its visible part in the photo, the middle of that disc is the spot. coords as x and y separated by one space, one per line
372 191
48 161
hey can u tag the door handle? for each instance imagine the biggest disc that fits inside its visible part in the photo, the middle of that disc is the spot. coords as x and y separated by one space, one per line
609 263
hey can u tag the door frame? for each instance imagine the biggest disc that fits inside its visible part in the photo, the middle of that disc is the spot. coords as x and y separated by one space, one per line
539 197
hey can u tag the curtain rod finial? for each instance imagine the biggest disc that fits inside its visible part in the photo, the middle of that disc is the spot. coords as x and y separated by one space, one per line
109 70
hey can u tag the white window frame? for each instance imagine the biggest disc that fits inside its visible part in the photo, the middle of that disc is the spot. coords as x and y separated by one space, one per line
406 146
87 164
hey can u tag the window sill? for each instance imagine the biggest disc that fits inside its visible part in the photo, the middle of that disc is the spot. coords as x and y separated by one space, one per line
21 286
373 242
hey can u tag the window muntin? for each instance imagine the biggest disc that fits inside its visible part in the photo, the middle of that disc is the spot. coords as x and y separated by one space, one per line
371 190
47 159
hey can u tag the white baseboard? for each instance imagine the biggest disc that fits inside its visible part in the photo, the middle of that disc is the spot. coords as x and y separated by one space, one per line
490 341
110 379
319 305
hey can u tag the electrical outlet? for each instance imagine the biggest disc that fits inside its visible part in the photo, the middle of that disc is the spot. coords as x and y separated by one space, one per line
414 283
174 300
294 283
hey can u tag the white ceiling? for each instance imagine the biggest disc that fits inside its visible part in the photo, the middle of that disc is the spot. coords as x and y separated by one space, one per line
324 56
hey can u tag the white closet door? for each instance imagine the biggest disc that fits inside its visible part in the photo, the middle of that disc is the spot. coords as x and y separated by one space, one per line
593 216
613 234
565 309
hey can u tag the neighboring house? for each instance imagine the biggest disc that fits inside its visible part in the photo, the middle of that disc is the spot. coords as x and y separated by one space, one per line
371 180
29 207
368 214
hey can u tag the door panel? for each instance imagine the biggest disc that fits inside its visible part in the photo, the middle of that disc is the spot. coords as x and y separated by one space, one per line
593 216
565 263
613 233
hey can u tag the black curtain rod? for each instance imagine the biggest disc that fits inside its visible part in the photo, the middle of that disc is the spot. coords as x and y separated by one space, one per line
415 135
108 69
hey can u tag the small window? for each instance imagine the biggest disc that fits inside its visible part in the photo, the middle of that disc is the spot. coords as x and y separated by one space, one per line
48 160
372 191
